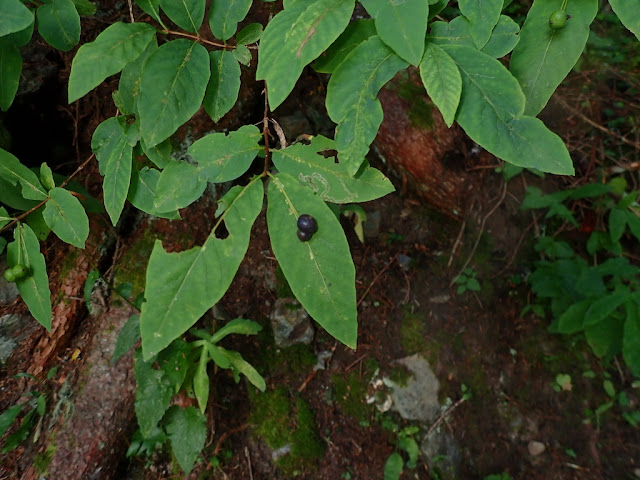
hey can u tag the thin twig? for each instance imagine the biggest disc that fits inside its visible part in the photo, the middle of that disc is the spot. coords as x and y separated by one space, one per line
131 11
444 415
482 224
224 436
457 243
586 119
265 132
246 454
386 267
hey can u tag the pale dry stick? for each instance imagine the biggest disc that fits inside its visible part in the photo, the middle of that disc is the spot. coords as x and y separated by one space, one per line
444 415
280 133
407 295
131 11
457 243
482 224
246 454
586 119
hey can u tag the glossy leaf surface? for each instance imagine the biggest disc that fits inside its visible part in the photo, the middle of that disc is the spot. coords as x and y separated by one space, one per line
320 272
294 38
116 46
34 288
352 98
544 56
328 179
181 287
65 215
173 83
401 25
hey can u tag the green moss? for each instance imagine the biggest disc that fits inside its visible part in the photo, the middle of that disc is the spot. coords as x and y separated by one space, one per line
293 359
413 332
132 268
280 421
349 392
400 375
421 110
42 460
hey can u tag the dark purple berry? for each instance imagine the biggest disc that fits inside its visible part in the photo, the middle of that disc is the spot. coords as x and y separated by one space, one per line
304 236
307 223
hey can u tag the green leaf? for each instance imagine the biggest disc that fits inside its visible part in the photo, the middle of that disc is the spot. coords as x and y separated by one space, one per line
352 98
393 467
114 48
46 176
111 144
544 56
483 15
627 12
409 445
14 16
330 180
89 283
59 24
34 288
172 87
401 25
85 7
160 154
142 193
201 380
187 430
242 54
151 8
294 38
604 307
320 272
129 86
127 338
441 79
455 32
249 34
356 33
181 287
21 38
634 224
175 363
10 70
187 14
8 417
240 366
491 113
4 217
21 434
617 223
66 217
572 320
605 338
13 172
224 17
503 39
631 338
224 84
179 185
237 325
153 394
222 158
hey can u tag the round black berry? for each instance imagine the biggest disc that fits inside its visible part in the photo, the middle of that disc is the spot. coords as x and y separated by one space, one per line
307 224
304 236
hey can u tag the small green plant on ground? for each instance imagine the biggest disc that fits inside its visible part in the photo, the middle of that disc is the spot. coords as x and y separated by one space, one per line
598 299
168 71
467 281
405 443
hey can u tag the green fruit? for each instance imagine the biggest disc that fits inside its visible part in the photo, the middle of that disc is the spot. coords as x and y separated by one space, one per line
20 271
558 19
9 275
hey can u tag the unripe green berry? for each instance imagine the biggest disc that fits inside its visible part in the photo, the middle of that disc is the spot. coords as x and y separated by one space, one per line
20 271
558 19
9 275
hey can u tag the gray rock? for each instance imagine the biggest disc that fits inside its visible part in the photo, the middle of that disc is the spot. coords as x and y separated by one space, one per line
12 331
418 399
442 454
535 448
290 323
